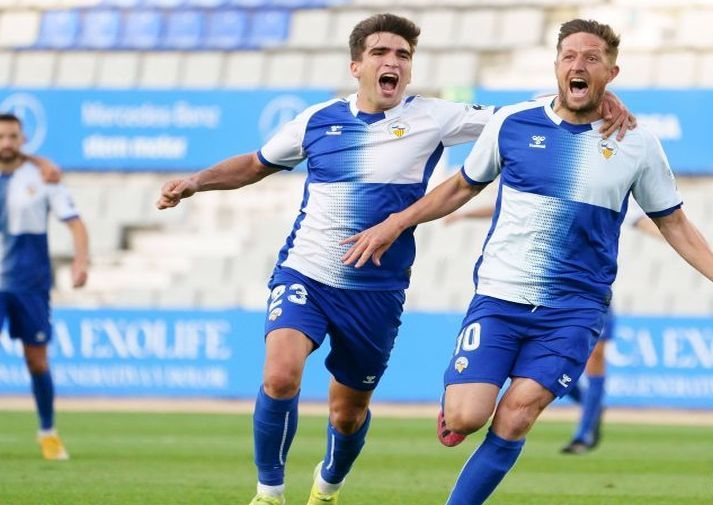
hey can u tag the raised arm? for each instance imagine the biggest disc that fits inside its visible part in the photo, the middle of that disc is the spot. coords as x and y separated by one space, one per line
688 242
232 173
80 264
375 241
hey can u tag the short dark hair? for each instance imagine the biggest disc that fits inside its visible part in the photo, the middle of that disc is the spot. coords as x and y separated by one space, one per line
390 23
604 32
8 117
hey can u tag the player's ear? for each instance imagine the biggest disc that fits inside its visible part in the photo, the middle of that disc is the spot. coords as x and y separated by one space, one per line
613 73
355 69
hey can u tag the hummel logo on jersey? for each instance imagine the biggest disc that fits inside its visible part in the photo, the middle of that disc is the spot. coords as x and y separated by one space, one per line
538 142
565 380
334 130
370 379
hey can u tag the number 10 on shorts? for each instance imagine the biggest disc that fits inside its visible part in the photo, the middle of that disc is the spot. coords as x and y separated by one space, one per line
469 338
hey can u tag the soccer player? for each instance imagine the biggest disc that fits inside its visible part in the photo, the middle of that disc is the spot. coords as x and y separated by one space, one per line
25 273
369 155
591 397
543 281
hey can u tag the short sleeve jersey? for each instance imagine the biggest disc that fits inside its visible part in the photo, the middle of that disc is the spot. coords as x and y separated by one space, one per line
561 203
360 169
25 202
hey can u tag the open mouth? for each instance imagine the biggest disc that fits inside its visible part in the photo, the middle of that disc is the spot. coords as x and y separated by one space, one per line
578 86
388 82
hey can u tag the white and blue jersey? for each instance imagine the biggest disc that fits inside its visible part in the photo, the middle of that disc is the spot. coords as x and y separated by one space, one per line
25 201
360 169
562 199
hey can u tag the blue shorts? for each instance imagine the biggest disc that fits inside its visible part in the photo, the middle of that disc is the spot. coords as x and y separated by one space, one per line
609 324
28 316
362 325
501 339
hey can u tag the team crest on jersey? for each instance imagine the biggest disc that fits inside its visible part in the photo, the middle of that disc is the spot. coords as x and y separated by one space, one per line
275 314
608 148
461 364
399 128
31 190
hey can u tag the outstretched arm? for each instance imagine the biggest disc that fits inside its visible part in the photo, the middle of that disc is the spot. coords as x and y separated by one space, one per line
688 242
375 241
477 213
80 264
51 173
232 173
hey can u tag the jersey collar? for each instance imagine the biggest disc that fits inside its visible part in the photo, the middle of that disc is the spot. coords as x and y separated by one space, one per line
375 117
571 127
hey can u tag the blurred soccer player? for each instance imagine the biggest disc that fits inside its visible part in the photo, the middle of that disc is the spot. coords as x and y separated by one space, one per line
25 273
543 281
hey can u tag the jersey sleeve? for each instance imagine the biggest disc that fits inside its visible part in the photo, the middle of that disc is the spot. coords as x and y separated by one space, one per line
460 123
284 150
483 163
61 202
655 188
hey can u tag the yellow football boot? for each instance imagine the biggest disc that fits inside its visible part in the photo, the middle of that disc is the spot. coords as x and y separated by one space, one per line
52 447
264 499
317 497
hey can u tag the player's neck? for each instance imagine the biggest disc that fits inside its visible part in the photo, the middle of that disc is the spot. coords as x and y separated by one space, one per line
573 116
10 166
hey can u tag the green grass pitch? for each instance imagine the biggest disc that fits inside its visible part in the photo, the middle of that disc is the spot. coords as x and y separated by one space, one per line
206 459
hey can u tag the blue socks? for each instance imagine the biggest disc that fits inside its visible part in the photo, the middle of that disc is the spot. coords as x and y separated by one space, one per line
591 410
485 469
274 428
342 451
43 391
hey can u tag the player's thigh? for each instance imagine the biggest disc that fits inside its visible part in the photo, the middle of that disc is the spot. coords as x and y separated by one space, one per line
595 364
467 407
519 408
363 326
29 318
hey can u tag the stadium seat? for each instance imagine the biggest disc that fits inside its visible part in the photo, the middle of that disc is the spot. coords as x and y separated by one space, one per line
521 27
486 34
694 28
160 70
142 29
422 71
34 69
122 4
286 70
164 4
245 70
117 69
455 68
343 22
330 70
183 30
705 78
437 28
58 29
637 69
249 4
100 29
202 70
6 60
675 69
268 28
76 69
309 28
225 29
206 4
19 28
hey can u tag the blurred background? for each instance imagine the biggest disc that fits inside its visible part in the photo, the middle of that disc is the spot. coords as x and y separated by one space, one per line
124 94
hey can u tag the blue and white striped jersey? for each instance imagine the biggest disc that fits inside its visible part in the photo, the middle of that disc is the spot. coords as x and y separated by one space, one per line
360 169
25 201
562 198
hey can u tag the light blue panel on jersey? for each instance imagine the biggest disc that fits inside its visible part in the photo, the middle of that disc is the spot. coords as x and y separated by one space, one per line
674 116
150 130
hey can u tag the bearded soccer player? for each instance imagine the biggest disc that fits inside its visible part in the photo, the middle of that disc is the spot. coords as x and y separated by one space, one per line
25 273
543 281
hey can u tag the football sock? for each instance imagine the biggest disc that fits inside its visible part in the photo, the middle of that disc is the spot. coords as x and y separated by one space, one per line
270 490
43 391
485 469
591 409
274 427
342 451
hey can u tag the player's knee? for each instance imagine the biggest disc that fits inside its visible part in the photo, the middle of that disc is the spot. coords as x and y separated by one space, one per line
281 384
37 367
347 420
514 421
464 421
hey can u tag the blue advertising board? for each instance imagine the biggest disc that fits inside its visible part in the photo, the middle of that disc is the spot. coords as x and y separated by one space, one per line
652 362
674 116
150 130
